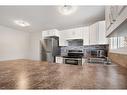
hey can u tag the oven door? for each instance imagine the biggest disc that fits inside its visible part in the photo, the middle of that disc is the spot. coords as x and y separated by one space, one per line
72 61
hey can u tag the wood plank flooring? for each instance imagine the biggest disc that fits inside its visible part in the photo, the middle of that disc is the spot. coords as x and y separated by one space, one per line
28 74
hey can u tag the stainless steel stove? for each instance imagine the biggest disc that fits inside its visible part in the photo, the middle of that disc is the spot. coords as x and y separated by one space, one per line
74 57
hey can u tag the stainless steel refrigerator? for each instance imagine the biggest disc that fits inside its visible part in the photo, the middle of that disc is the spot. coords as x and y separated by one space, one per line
49 49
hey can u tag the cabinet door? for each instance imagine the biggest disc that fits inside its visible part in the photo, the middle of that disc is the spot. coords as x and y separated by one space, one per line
107 17
70 33
86 35
62 38
59 60
62 42
102 33
56 33
53 32
117 15
111 14
75 33
120 9
79 33
44 34
93 34
114 13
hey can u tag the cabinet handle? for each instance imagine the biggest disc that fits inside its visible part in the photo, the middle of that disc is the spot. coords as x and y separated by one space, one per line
113 11
114 20
110 19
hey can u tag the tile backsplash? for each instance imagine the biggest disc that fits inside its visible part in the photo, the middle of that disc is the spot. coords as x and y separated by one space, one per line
87 49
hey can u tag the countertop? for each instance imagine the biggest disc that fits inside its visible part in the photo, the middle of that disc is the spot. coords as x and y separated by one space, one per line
28 74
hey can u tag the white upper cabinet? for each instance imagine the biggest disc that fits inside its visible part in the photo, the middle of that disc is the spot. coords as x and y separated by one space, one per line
65 35
102 33
53 32
107 17
97 33
93 34
62 38
114 16
86 35
111 13
120 9
75 33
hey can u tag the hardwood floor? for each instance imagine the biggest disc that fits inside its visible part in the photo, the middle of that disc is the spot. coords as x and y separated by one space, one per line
27 74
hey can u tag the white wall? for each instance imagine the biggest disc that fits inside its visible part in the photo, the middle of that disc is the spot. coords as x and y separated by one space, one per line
14 44
35 45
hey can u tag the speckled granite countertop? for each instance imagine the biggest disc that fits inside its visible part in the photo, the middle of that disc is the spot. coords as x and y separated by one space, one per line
27 74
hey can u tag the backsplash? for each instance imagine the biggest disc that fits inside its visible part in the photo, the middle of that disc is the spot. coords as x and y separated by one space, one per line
87 49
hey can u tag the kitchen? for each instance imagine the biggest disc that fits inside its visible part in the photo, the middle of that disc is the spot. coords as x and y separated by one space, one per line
63 47
79 44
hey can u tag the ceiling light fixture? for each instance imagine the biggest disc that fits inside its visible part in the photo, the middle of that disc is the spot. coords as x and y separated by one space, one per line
21 23
67 9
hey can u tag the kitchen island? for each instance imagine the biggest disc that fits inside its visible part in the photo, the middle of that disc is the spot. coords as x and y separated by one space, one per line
29 74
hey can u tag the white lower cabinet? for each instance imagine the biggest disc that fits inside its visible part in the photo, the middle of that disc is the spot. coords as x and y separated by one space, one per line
59 59
84 61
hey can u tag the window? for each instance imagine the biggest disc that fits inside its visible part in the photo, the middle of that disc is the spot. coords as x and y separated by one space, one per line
118 42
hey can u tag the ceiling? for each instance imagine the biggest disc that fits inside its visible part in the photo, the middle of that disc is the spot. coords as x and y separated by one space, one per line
48 17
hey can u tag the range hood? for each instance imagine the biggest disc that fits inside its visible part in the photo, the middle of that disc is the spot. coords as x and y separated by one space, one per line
75 42
74 39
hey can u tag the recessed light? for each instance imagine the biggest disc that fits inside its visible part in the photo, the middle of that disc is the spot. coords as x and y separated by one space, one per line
67 9
21 23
